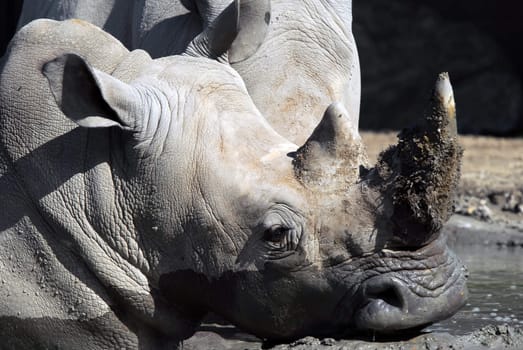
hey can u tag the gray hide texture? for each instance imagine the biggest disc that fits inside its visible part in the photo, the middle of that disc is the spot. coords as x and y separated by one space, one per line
49 253
93 217
137 195
307 60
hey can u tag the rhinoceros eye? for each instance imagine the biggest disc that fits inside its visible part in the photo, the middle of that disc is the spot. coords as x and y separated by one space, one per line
282 237
282 228
276 233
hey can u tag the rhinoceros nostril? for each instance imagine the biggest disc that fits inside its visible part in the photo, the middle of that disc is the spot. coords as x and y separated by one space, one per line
386 290
389 296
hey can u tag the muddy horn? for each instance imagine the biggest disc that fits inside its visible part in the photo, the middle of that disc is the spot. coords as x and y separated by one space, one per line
419 176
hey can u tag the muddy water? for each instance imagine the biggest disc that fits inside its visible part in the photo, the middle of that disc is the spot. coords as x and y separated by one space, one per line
495 286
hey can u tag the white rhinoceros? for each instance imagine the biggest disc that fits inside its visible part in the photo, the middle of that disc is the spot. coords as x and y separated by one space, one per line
307 60
136 195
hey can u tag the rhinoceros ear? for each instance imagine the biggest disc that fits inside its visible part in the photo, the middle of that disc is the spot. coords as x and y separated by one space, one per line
235 34
89 97
255 16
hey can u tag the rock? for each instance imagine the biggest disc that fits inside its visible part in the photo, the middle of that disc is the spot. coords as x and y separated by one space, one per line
513 202
483 211
328 342
497 337
473 206
308 341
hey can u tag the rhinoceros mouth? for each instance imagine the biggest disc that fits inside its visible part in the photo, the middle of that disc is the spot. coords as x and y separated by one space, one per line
391 304
411 289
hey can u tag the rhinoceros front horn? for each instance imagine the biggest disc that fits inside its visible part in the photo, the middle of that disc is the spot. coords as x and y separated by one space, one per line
331 156
419 176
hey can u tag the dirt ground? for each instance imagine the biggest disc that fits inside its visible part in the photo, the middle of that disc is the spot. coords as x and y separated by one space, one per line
486 338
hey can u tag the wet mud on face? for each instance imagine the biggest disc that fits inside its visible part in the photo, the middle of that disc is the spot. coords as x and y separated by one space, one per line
492 249
496 299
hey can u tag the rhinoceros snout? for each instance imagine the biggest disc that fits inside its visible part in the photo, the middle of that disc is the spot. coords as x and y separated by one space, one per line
390 304
413 297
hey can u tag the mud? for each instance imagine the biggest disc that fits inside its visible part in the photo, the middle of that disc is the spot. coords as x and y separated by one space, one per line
487 214
421 172
489 337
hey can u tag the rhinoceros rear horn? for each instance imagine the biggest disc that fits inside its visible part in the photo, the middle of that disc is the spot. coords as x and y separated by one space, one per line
235 34
332 155
420 175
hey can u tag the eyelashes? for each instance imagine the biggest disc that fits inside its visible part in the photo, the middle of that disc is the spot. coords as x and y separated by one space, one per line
282 237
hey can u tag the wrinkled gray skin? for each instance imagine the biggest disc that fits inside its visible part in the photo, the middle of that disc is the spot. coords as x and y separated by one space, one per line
137 195
307 60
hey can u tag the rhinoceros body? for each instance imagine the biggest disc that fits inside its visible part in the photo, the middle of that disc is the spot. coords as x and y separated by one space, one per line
307 60
137 195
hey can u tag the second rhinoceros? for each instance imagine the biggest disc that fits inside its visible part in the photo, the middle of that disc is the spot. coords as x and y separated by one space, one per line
137 195
294 56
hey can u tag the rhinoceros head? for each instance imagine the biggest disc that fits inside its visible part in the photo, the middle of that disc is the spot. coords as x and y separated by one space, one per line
352 246
226 215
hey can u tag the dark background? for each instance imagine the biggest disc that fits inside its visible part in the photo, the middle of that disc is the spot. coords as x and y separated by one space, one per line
404 44
9 12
